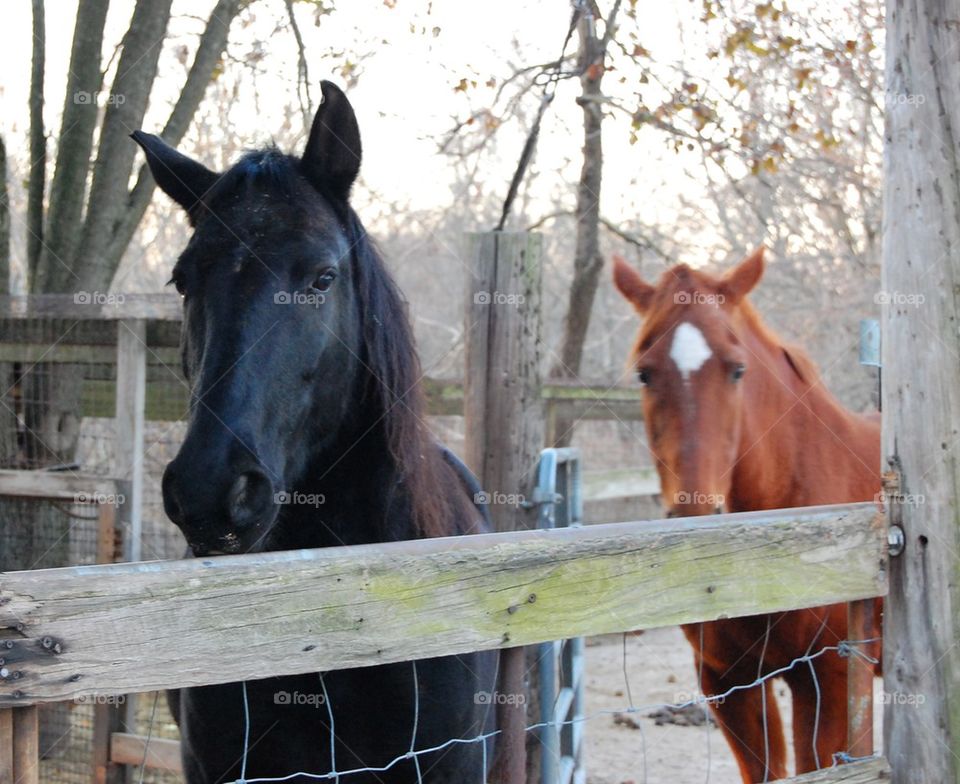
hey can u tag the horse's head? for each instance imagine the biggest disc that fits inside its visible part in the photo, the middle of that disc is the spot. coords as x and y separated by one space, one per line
690 358
272 329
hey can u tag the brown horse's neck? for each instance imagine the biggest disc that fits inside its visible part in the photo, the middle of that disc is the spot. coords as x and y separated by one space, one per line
799 446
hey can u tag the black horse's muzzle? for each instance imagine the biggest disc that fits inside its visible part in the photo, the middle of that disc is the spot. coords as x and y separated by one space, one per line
219 511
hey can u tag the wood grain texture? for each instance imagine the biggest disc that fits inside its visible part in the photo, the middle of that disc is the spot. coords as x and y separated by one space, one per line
872 771
157 307
921 387
6 745
26 746
503 412
59 485
147 626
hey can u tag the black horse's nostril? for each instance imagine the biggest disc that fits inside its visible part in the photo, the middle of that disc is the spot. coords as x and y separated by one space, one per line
250 498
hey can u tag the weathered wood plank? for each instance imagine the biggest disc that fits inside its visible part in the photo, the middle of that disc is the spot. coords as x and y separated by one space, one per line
131 394
93 306
162 753
921 388
68 353
142 627
871 771
6 745
58 485
504 426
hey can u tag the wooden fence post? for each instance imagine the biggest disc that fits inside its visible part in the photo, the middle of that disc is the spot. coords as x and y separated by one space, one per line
921 389
131 405
128 446
108 716
503 413
19 745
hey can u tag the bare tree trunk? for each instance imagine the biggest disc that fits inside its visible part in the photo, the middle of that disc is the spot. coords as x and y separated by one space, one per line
921 387
37 177
4 222
587 261
8 419
62 227
212 44
126 105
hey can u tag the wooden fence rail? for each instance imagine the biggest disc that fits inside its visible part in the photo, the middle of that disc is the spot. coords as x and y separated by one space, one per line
136 627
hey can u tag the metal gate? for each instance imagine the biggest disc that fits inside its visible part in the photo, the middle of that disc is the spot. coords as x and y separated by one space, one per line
560 501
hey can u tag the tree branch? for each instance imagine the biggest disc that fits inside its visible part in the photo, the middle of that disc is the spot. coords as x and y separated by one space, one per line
303 86
38 144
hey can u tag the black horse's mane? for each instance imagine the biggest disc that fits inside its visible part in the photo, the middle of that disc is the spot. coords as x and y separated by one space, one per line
392 386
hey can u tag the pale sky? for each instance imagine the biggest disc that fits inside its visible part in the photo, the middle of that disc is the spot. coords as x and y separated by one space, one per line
405 98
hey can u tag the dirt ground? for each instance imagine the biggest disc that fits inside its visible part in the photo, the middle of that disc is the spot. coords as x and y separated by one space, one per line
659 664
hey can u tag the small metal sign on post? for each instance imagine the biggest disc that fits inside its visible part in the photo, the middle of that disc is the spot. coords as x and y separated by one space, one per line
870 342
870 352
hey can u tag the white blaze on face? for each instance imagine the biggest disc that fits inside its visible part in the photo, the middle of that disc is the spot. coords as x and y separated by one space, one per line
689 350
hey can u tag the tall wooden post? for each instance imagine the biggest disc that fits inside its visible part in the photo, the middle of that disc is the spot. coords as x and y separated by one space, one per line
131 410
921 388
128 446
503 410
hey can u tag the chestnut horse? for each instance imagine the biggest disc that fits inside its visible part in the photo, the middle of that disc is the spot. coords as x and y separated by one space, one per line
739 421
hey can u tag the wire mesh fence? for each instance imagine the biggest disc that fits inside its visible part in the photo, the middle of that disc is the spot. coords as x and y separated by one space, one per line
58 395
58 390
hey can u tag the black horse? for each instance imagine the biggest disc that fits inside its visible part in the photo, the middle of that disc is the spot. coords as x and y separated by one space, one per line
307 430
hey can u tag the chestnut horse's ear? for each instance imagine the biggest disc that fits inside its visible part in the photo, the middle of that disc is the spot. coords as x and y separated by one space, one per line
629 283
183 179
739 281
331 159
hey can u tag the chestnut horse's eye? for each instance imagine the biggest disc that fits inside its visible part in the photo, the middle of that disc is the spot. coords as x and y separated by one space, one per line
324 280
643 376
738 370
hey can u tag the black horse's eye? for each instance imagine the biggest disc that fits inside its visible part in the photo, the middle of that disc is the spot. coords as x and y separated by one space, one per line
643 376
324 280
738 370
177 282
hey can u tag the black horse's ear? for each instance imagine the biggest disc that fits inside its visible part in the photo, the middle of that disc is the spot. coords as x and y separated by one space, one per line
183 179
331 159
